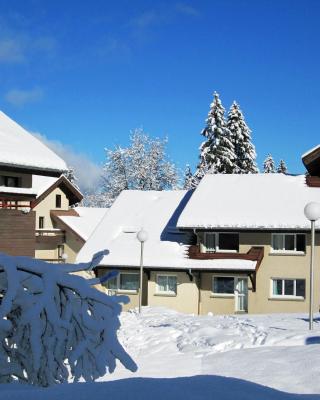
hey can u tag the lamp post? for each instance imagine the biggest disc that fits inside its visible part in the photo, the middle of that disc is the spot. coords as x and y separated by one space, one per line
312 213
142 236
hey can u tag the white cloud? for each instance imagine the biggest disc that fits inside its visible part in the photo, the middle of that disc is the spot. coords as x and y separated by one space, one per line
11 51
87 172
18 97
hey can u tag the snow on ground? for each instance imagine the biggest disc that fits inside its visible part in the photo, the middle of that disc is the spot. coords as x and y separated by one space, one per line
182 356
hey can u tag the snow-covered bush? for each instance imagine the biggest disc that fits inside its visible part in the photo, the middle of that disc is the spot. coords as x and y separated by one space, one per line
54 324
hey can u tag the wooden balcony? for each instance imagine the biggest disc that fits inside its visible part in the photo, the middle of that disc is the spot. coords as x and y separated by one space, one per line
254 254
50 236
313 181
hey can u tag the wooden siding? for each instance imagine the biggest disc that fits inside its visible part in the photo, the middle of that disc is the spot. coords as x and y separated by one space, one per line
254 254
17 232
312 162
313 181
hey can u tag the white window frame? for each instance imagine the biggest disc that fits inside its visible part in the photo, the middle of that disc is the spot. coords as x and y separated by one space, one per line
217 242
223 294
118 289
166 292
286 296
284 251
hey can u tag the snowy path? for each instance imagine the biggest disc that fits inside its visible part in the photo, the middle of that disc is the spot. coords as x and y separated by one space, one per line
273 350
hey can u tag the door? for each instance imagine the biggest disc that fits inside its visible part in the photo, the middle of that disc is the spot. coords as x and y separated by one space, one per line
241 294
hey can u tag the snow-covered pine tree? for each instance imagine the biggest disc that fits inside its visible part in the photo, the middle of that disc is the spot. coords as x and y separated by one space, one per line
269 165
188 179
240 135
217 151
282 168
143 165
54 325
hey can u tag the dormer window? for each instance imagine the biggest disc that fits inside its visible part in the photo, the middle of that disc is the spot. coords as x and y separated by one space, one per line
11 181
220 242
58 200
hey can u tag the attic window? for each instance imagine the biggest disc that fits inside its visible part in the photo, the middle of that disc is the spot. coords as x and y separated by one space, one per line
58 200
11 181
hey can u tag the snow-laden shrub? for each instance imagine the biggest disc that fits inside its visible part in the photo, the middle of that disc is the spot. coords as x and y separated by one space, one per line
54 323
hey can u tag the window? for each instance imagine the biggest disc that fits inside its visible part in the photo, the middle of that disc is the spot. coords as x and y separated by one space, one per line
223 285
167 284
125 281
58 200
288 288
60 250
288 242
11 181
41 222
214 242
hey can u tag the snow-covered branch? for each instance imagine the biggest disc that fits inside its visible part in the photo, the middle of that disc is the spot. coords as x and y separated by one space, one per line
53 323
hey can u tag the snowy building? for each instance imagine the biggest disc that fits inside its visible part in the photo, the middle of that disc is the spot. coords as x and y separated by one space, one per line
238 243
22 157
36 218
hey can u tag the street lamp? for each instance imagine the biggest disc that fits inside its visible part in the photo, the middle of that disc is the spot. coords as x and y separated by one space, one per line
64 257
312 212
142 236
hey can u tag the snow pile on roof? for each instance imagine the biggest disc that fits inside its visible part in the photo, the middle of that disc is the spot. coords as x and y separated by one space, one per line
88 219
157 213
20 148
253 201
41 183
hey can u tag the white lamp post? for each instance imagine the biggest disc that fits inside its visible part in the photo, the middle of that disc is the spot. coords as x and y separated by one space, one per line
312 212
64 257
142 236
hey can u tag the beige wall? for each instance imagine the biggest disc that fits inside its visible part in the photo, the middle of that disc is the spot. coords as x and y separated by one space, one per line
187 296
49 203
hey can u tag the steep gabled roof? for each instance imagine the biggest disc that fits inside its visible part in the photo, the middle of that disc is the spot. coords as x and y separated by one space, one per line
45 185
249 201
20 150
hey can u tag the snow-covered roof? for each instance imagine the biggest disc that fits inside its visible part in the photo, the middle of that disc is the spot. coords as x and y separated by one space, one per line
249 201
310 151
21 149
86 222
157 213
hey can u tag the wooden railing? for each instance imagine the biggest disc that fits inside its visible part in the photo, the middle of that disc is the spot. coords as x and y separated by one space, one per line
15 204
313 181
254 254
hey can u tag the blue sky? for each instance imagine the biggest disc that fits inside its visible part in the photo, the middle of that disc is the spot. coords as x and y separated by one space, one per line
85 73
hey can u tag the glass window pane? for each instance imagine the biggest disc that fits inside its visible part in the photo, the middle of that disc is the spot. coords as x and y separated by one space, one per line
301 242
288 287
300 287
129 281
210 242
172 283
223 285
112 283
228 241
162 283
289 242
277 287
277 242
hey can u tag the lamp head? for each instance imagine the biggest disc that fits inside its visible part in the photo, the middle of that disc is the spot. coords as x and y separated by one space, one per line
142 236
64 256
312 211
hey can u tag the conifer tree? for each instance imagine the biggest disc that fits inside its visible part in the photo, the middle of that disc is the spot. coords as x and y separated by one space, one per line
269 165
282 168
189 180
240 135
217 151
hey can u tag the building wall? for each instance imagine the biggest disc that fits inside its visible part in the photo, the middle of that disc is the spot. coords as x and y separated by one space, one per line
49 203
17 230
25 180
186 299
